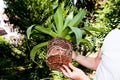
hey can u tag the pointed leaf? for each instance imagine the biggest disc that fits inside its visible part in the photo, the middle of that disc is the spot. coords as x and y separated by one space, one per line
78 18
78 34
85 41
45 30
35 50
58 17
65 32
90 28
68 19
29 31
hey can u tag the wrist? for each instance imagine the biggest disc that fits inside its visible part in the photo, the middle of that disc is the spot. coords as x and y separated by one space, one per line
86 78
74 55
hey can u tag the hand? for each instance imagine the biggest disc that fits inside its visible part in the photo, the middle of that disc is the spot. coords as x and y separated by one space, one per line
73 72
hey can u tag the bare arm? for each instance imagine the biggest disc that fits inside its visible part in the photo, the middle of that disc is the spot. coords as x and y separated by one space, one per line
89 62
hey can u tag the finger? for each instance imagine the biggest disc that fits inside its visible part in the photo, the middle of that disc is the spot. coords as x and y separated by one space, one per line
67 69
71 66
64 72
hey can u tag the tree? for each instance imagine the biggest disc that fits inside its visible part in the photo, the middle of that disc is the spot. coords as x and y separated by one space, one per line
108 14
23 13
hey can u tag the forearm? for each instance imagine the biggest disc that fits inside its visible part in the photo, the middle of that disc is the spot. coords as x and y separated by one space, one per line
88 62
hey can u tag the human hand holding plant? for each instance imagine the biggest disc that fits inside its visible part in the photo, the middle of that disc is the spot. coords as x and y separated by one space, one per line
73 73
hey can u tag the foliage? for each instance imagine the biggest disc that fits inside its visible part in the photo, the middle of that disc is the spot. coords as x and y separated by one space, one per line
4 47
108 14
89 5
14 65
23 13
59 29
106 17
62 27
15 62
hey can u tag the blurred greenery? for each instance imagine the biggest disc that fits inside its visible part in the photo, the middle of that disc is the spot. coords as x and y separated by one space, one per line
15 61
14 65
23 13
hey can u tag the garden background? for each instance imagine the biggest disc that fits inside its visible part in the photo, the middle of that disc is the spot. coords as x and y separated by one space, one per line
37 21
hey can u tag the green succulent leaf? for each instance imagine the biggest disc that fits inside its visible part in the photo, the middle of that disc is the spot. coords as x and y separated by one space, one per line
68 19
78 34
58 18
78 18
90 28
35 50
45 30
29 31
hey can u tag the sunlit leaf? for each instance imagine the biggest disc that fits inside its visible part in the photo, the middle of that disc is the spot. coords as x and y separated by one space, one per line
18 52
2 38
58 18
68 19
87 42
45 30
90 28
78 34
29 31
35 50
78 18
